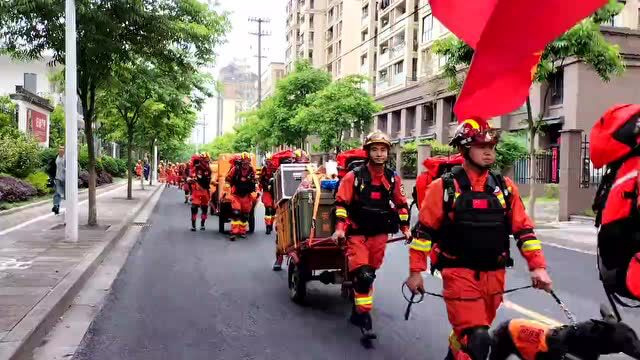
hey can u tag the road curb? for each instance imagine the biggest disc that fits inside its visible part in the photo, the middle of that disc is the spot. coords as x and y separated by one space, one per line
42 202
27 335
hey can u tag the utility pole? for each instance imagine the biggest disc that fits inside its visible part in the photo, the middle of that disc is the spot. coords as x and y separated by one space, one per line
260 34
71 130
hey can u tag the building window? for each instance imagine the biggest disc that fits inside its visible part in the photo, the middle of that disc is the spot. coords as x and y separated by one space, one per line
31 82
364 35
451 102
312 5
365 11
427 28
363 59
556 82
399 67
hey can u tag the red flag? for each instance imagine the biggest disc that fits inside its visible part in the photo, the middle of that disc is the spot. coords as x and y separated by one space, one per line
511 39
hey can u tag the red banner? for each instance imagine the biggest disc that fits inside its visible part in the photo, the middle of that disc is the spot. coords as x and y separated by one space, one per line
37 125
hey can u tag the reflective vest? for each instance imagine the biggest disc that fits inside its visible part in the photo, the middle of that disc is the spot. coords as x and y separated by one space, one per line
476 229
370 209
616 206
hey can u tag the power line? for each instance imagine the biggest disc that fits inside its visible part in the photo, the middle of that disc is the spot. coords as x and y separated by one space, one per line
260 34
376 35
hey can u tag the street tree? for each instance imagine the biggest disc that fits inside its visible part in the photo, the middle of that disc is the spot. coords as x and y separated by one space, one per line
220 145
8 121
110 33
337 109
292 93
584 42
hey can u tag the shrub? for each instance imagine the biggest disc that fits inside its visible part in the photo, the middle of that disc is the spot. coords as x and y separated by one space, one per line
510 149
113 166
19 156
39 180
14 190
83 179
48 157
122 167
83 158
438 148
103 178
409 160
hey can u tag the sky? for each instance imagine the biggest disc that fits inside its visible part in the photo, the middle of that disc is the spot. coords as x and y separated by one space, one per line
242 46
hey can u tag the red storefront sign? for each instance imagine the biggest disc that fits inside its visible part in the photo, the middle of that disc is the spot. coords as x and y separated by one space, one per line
37 124
555 164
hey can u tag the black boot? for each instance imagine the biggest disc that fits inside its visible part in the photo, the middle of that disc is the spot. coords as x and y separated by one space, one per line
277 265
202 225
449 355
269 229
364 322
56 209
193 225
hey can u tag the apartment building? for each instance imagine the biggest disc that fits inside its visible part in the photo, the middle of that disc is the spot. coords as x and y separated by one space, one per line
335 35
305 32
239 93
576 96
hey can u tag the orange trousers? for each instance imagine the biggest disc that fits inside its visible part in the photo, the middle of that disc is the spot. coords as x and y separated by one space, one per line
241 206
472 298
365 250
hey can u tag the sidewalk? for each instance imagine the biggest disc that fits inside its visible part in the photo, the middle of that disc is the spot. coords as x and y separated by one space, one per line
40 272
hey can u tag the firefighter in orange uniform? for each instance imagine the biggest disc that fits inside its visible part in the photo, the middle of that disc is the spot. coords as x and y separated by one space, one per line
199 180
266 177
466 218
242 179
366 217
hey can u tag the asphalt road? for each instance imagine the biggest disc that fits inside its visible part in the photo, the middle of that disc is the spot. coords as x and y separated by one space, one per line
184 295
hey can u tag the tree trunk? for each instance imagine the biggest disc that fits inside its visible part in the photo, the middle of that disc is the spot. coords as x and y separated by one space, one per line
130 168
152 163
92 214
531 206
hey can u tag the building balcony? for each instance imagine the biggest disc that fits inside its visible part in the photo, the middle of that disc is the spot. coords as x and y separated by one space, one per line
365 21
382 85
392 28
383 59
398 79
364 69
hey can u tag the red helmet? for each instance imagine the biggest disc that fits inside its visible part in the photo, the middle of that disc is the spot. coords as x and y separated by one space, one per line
615 135
475 131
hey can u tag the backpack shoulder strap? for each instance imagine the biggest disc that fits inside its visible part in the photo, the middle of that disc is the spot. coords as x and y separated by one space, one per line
461 178
449 192
362 177
497 180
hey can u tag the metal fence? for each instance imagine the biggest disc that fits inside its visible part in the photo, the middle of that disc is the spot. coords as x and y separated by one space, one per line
547 168
589 175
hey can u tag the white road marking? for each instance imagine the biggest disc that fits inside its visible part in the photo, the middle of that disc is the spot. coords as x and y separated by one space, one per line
546 243
42 217
14 264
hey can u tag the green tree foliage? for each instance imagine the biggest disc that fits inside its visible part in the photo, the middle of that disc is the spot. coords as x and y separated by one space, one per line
333 111
56 127
510 149
8 119
292 93
584 41
221 145
19 154
111 33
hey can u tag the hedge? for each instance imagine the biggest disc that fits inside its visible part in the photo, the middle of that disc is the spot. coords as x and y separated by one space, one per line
39 180
14 190
19 156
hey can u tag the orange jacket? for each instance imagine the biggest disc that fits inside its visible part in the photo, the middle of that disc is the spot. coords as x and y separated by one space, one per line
432 214
344 196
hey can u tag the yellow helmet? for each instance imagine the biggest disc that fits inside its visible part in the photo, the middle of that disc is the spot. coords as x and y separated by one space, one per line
376 137
245 156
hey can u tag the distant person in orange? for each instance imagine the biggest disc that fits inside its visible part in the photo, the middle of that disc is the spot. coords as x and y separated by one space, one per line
199 182
242 180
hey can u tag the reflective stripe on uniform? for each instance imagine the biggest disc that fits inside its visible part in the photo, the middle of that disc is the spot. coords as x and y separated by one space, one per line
454 343
421 245
500 197
404 217
363 301
341 212
531 245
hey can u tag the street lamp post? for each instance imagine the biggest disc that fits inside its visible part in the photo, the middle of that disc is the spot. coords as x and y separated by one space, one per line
71 132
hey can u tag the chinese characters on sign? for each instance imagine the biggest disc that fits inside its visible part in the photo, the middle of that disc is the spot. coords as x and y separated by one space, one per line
37 125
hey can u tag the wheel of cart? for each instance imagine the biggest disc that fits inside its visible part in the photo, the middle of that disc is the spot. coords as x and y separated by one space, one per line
321 260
